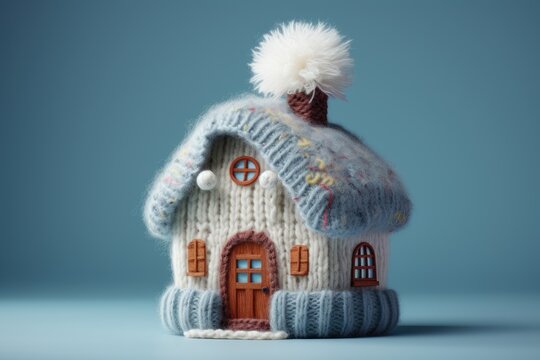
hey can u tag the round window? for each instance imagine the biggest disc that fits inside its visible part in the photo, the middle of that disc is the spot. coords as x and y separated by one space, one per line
244 170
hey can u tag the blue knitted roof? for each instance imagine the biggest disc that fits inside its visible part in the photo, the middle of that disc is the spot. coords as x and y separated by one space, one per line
340 187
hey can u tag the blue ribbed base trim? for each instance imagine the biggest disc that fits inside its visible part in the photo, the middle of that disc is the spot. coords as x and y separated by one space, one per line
334 313
363 312
185 309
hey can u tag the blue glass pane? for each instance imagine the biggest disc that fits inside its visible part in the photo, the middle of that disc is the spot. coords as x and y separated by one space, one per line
250 175
256 264
251 165
241 264
241 278
239 176
256 278
239 165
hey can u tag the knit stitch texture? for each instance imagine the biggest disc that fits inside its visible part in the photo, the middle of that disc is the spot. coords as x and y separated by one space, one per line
334 313
304 314
340 187
217 215
185 309
235 334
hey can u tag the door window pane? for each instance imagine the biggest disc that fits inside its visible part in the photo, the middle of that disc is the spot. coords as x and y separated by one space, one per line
256 278
256 264
241 278
241 264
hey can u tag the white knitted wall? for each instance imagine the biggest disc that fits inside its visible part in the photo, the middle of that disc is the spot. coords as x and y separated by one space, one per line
214 216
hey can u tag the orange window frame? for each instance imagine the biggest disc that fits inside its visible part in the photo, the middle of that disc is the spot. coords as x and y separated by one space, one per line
245 170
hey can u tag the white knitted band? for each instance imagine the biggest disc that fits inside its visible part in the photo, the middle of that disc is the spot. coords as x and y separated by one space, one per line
235 334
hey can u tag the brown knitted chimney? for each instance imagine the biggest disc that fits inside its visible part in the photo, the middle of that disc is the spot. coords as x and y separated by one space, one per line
310 107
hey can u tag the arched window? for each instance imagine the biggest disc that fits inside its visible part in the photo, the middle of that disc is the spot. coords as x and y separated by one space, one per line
364 270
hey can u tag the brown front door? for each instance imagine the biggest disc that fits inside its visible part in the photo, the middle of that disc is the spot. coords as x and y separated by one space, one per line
249 278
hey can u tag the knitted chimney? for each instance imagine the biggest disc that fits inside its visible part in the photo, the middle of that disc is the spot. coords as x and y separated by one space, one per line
306 62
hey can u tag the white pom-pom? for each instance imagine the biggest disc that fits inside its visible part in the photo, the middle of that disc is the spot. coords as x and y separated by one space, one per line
206 180
300 57
268 179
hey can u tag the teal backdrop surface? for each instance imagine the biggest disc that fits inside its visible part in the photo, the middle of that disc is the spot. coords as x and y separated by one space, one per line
95 95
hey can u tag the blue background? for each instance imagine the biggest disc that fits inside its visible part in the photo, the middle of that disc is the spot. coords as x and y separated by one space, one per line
95 95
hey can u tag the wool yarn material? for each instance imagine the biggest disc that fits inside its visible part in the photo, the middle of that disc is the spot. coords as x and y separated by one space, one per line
302 314
300 57
365 312
313 108
235 334
278 219
185 309
218 215
268 179
340 186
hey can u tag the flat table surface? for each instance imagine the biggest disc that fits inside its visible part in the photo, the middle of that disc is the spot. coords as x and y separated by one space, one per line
431 327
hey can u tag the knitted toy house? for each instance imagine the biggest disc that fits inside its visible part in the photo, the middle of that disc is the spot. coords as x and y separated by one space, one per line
277 219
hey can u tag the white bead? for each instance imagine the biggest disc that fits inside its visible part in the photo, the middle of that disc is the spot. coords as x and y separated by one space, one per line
206 180
268 179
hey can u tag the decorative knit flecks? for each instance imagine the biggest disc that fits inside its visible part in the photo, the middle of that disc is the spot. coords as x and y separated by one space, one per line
334 313
186 309
228 209
341 188
311 107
